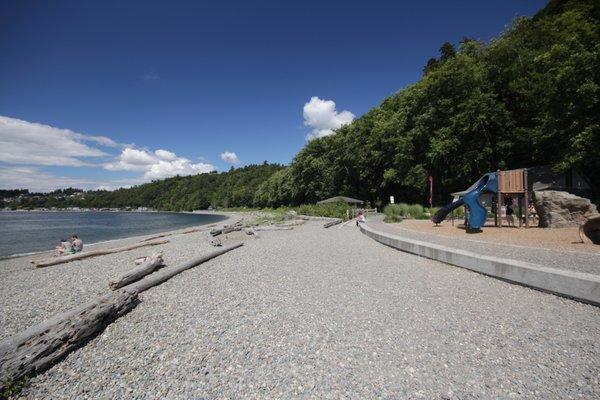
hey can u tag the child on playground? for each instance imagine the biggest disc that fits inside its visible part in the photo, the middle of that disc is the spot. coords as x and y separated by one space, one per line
360 218
510 212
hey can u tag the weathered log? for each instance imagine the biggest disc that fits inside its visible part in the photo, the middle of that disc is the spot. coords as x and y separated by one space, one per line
146 268
315 218
273 228
42 345
291 223
168 273
227 229
332 223
200 229
93 253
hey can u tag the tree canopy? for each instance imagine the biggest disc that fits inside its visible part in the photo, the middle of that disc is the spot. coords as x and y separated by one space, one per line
530 97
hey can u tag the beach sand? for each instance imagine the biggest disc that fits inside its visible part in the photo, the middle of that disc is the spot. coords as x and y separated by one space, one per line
556 238
311 313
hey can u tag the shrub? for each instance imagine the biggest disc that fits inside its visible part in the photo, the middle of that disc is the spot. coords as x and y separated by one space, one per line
397 212
394 212
333 210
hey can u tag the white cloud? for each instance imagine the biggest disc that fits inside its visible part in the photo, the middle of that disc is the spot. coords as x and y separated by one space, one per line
34 144
158 165
230 157
37 180
322 116
23 142
165 155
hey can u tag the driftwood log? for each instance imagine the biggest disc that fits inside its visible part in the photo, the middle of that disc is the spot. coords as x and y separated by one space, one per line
93 253
199 229
42 345
146 268
332 223
273 228
168 273
315 218
291 223
227 229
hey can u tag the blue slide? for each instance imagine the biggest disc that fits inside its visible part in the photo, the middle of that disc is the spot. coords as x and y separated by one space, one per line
477 214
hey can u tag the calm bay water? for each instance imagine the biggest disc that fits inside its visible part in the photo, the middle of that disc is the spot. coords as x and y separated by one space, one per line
30 231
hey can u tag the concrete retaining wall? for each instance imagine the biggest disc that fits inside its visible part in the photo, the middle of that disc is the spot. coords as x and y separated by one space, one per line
576 285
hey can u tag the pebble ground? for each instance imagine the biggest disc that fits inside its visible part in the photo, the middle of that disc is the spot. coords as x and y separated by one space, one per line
330 313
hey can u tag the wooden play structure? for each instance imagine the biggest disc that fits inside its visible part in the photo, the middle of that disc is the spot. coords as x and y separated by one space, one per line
513 183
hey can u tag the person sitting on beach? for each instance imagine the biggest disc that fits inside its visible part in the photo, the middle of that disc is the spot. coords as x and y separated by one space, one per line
77 244
64 248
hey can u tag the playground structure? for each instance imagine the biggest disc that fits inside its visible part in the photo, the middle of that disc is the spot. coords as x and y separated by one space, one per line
499 186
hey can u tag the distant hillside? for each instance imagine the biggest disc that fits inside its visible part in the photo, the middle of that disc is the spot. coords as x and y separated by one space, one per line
530 97
234 188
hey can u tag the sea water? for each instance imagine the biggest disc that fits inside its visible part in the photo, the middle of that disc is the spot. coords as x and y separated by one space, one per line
23 232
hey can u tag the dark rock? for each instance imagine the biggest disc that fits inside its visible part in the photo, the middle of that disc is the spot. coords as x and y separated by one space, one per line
591 229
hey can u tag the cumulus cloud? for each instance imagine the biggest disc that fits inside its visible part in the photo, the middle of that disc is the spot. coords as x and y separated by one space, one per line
165 155
37 180
230 157
322 116
158 165
23 142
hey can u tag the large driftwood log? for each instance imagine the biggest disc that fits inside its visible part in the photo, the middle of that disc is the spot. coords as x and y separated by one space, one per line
93 253
273 228
315 218
42 345
332 223
199 229
227 229
168 273
295 222
146 268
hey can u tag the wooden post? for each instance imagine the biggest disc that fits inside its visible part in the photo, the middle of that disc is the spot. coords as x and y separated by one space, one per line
520 205
499 205
499 211
526 186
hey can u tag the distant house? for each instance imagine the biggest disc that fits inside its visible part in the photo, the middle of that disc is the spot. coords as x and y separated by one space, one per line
339 199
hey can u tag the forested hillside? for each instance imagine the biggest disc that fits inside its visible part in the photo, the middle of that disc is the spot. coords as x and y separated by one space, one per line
234 188
530 97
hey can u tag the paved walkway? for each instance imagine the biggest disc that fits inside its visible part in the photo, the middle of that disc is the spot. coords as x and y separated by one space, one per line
330 313
569 260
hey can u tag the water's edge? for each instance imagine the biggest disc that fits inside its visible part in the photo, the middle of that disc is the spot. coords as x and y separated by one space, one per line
224 216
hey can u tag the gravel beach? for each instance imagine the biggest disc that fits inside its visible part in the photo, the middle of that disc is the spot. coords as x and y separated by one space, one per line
311 313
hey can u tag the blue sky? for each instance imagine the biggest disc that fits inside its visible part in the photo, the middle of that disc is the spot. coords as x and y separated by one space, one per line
198 79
